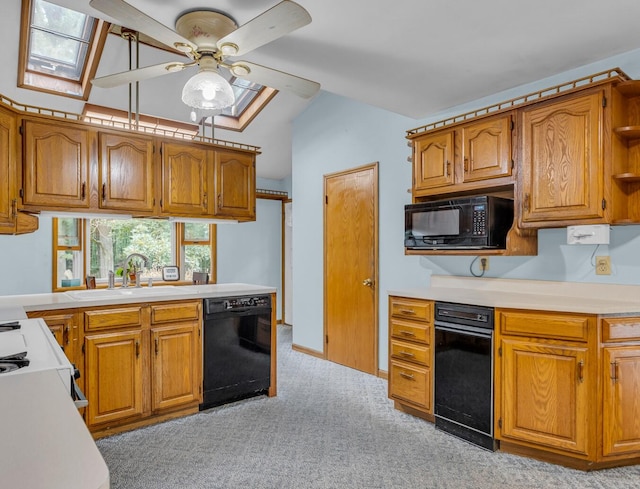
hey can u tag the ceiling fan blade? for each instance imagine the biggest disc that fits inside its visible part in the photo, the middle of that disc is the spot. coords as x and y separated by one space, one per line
140 74
279 20
132 18
275 79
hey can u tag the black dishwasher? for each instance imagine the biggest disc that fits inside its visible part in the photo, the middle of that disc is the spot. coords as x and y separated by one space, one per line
236 349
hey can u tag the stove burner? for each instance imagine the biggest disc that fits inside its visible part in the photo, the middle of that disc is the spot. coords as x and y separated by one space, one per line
13 362
12 326
8 367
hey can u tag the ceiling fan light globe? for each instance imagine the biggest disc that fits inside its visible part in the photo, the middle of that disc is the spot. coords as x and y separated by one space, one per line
208 90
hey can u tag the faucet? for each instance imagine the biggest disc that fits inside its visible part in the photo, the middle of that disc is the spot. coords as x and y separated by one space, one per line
125 275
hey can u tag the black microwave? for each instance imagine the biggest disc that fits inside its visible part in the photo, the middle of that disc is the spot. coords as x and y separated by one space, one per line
480 222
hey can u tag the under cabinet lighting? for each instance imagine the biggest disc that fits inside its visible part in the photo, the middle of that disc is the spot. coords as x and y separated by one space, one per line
202 220
83 215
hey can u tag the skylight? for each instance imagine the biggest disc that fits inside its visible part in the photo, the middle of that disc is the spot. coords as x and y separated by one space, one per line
59 40
60 50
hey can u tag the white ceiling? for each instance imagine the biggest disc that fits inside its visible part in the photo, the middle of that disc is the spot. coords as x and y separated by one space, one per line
411 57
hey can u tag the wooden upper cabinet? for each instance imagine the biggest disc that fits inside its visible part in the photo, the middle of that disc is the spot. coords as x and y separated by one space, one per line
8 193
562 161
467 153
56 165
433 156
235 185
486 149
185 185
125 172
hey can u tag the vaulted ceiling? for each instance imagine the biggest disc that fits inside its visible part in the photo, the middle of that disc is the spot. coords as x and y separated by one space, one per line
411 57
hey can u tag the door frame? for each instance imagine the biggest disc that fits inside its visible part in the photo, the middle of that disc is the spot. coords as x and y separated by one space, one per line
376 259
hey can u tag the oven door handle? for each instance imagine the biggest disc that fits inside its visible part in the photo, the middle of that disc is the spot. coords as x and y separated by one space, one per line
467 330
78 396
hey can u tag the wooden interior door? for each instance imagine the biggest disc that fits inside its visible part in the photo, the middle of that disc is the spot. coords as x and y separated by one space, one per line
351 268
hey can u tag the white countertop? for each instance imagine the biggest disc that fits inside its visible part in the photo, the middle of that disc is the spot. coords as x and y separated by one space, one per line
603 299
100 297
45 445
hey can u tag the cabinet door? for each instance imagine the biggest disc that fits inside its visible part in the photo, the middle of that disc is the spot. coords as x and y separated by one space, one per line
176 365
114 376
621 407
184 179
56 165
486 149
545 395
8 200
433 160
62 327
235 185
562 160
126 173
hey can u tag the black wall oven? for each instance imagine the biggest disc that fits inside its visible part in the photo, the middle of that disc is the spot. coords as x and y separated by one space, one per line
464 372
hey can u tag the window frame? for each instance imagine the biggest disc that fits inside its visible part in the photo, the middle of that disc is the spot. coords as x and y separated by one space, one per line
47 83
57 247
176 245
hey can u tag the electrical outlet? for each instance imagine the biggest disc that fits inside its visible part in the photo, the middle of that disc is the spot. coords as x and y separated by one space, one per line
603 265
484 264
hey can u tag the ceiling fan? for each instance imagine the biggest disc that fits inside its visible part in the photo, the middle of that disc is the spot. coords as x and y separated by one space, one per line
208 38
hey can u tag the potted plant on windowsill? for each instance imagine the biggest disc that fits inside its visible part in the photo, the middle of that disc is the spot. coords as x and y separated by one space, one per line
131 271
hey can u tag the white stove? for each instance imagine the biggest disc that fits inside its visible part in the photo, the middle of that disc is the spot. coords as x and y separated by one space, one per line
27 345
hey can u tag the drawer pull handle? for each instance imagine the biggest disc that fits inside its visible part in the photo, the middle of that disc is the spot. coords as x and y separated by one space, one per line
406 354
614 371
407 311
137 349
156 342
406 375
407 333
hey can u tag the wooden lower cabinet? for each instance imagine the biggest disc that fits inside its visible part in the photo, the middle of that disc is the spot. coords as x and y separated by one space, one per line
114 367
546 395
65 326
621 387
568 387
410 355
143 363
177 355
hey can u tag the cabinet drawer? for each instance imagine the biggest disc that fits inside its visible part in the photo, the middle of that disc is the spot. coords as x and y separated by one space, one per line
411 352
166 313
411 309
113 318
543 325
411 330
411 383
617 329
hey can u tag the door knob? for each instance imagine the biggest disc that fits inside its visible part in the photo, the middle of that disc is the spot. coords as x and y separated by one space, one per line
367 282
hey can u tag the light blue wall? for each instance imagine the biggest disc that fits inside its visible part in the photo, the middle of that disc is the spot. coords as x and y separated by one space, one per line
251 252
335 134
25 261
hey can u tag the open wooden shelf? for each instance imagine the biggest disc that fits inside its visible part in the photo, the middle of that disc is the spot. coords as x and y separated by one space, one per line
627 177
628 132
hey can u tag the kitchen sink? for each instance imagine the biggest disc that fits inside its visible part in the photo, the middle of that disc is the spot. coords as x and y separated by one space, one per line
98 294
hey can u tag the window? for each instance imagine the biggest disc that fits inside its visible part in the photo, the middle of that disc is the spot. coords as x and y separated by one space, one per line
195 251
68 267
59 48
110 241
